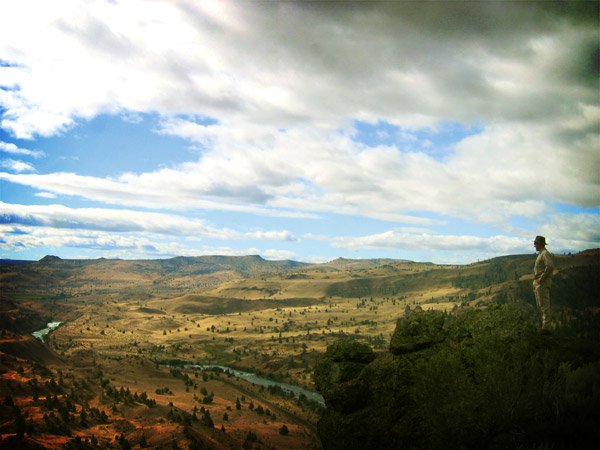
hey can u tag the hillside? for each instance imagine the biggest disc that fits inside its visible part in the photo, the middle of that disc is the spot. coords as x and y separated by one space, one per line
88 403
128 321
485 379
52 269
56 277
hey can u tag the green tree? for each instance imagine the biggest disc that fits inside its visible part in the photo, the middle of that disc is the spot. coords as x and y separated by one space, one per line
207 420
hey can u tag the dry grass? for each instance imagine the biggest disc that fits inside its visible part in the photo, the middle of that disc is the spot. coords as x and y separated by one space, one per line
258 320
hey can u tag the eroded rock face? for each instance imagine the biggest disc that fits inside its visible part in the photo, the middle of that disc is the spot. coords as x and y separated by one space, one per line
483 380
339 374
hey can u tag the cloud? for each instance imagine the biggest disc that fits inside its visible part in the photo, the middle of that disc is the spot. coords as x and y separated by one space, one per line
572 231
45 195
117 245
432 242
131 246
522 69
272 235
489 176
569 232
12 148
259 63
164 189
270 93
124 221
16 166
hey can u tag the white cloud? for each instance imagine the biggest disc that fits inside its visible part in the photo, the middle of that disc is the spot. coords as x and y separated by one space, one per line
164 189
116 245
124 221
282 84
572 231
45 195
16 166
491 176
568 232
273 254
261 63
9 147
272 235
244 68
431 242
525 163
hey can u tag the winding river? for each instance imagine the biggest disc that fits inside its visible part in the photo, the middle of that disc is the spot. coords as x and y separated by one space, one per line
261 381
251 377
44 331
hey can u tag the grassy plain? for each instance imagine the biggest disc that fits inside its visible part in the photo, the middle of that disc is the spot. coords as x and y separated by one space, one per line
274 323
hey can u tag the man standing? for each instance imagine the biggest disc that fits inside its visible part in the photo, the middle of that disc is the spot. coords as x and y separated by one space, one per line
542 281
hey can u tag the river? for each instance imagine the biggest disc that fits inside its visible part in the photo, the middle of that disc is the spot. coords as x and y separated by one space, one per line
44 331
261 381
251 377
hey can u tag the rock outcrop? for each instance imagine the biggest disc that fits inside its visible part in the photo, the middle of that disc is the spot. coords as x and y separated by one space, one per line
485 379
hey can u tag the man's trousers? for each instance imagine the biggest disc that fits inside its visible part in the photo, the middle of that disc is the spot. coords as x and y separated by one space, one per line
542 298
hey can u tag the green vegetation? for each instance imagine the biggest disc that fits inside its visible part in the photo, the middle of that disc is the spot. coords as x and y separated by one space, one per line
482 379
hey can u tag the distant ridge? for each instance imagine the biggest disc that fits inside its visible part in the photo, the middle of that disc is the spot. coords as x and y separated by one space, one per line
200 271
15 261
350 261
362 264
370 277
592 252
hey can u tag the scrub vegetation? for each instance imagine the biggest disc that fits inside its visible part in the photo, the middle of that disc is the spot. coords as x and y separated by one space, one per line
130 327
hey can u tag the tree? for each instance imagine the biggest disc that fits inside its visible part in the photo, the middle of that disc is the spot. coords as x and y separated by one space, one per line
284 430
207 420
123 442
82 418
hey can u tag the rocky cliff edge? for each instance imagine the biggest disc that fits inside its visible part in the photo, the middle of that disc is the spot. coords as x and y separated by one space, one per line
483 380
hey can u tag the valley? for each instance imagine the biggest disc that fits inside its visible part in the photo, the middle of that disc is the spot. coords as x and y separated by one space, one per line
134 325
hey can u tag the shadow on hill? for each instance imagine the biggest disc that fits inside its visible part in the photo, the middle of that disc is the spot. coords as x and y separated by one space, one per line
28 348
484 380
197 304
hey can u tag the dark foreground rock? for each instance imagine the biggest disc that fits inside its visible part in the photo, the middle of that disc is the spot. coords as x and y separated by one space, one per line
484 380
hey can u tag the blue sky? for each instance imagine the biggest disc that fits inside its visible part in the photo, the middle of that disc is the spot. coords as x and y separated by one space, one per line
294 130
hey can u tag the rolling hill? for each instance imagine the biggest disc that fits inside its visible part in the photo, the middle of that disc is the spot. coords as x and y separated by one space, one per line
126 321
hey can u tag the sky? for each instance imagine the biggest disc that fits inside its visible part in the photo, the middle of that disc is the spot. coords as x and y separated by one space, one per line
446 132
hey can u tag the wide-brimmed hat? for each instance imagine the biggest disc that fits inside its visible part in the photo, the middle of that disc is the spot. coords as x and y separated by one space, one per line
540 240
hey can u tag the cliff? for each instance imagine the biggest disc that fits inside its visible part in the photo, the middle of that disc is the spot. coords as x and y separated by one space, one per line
483 380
